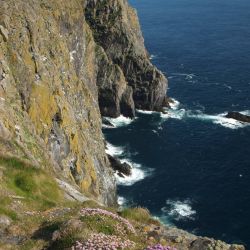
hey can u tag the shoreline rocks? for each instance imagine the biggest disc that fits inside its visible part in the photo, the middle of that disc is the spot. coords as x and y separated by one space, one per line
238 116
118 166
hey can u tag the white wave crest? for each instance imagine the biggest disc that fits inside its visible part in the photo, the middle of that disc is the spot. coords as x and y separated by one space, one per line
175 113
179 210
146 112
220 119
152 57
245 112
106 126
121 201
119 121
138 174
114 150
184 75
174 104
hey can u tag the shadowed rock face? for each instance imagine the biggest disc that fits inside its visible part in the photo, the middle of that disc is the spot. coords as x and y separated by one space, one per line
238 116
114 95
116 28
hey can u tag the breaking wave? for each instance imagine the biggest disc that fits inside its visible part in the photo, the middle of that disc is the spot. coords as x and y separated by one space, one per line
118 122
138 174
121 201
178 210
181 113
114 150
146 112
152 57
138 171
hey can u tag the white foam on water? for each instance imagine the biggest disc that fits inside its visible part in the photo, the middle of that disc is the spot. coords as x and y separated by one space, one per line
146 112
106 126
137 174
175 112
114 150
174 104
227 86
152 57
119 121
220 119
179 210
185 75
121 201
245 112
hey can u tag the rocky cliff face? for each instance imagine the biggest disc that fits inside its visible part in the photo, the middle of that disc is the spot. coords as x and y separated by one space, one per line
116 29
62 63
49 95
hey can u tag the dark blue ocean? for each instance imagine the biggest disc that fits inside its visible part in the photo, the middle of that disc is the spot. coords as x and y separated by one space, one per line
192 166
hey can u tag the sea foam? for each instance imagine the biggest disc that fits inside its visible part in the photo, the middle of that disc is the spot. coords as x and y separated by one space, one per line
114 150
179 210
220 119
138 172
119 121
146 112
152 57
180 113
121 201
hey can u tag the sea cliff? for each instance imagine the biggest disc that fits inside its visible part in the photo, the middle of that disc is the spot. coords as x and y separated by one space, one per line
63 65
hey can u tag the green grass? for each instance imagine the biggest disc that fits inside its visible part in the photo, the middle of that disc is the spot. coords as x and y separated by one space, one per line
138 214
37 187
99 224
4 203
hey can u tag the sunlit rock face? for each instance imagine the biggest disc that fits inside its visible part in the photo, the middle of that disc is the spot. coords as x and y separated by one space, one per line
63 64
49 110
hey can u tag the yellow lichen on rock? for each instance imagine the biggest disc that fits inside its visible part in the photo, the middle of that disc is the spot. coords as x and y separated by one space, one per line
48 84
42 107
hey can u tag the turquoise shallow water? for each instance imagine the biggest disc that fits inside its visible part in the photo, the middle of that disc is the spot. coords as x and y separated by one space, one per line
192 167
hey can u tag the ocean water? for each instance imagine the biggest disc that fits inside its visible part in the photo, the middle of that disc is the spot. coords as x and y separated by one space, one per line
191 166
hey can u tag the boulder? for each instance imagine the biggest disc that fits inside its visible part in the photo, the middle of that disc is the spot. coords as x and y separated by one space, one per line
121 168
238 116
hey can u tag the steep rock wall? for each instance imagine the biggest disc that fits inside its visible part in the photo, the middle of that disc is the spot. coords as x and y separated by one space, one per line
49 109
58 72
116 28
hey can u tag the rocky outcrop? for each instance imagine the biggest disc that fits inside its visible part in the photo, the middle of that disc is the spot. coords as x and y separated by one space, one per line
114 95
187 241
116 29
118 166
58 73
238 116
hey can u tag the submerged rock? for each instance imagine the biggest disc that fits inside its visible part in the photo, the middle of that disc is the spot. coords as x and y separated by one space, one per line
238 116
121 168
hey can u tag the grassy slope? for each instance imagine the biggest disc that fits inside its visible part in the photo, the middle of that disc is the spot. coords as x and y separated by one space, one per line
33 201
